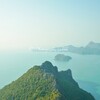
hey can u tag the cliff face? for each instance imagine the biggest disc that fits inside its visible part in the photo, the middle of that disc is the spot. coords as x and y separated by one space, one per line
45 82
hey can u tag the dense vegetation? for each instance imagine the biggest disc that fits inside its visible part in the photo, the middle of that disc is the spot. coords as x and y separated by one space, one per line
44 83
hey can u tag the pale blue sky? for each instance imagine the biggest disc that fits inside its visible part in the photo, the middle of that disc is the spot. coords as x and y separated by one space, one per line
48 23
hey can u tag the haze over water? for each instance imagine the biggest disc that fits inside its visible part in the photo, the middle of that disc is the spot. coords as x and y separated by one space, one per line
48 23
27 24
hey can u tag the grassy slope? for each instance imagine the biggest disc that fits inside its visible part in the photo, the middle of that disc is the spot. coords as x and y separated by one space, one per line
33 85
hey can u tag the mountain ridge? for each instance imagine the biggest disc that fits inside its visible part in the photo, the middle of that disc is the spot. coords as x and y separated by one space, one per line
45 82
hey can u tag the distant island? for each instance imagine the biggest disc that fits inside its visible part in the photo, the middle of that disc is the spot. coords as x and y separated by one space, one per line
45 82
62 57
91 48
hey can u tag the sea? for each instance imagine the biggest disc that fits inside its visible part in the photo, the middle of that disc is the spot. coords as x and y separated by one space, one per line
85 68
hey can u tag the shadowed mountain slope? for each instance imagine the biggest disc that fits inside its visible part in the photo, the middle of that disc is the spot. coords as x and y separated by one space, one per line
45 83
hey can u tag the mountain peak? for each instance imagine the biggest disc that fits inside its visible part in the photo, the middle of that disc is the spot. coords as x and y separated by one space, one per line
48 67
93 45
91 42
46 64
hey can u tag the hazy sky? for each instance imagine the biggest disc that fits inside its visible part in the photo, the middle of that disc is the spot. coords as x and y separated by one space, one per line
47 23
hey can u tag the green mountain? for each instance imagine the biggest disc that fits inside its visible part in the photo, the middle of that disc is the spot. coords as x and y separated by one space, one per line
44 83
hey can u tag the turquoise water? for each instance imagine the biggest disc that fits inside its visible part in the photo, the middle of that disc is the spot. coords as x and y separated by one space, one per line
85 68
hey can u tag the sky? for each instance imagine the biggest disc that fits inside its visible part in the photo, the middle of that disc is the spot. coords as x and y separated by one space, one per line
28 24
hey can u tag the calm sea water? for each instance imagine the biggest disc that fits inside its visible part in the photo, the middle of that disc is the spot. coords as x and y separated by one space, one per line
85 68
